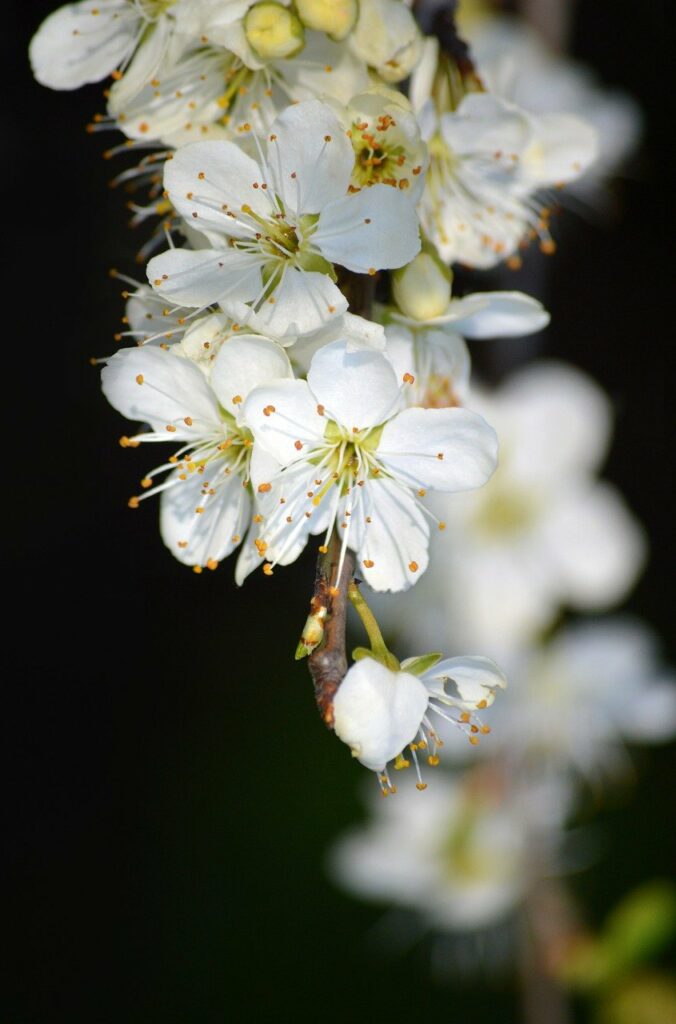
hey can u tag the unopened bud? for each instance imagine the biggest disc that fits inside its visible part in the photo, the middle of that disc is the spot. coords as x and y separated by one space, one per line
313 631
273 32
335 17
422 289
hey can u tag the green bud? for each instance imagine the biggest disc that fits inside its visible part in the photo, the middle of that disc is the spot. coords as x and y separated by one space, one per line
335 17
313 631
273 31
422 289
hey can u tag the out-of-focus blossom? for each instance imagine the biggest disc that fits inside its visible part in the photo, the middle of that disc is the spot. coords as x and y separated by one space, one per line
457 853
543 534
515 63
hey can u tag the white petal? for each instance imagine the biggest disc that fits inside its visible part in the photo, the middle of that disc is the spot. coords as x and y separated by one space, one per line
203 276
325 69
171 388
242 364
249 558
652 718
485 123
444 449
359 389
596 549
496 315
219 178
465 682
211 534
303 302
562 150
392 549
282 415
73 46
298 146
144 65
375 229
378 712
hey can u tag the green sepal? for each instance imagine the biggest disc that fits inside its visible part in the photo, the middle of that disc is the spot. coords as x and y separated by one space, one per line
386 658
419 665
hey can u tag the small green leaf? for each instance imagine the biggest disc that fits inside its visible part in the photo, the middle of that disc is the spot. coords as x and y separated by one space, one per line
419 665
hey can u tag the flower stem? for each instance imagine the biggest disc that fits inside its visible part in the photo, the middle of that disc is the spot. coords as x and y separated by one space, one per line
378 646
328 661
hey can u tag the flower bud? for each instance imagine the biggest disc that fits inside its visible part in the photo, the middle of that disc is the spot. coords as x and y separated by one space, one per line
335 17
273 31
422 289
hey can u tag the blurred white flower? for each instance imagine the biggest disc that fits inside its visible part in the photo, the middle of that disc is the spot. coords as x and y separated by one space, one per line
515 63
577 702
541 534
457 853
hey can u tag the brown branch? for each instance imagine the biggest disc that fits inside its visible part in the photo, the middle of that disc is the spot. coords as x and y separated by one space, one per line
328 663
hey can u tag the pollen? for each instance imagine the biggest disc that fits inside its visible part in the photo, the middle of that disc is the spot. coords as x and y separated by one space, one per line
267 569
440 456
268 410
197 569
408 378
320 410
261 546
139 378
212 564
298 445
421 786
323 549
482 704
264 488
133 502
368 563
146 482
187 420
199 510
171 428
236 399
413 566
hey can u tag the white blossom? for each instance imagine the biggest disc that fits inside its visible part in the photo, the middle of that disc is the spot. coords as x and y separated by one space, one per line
276 227
206 506
387 715
347 454
488 159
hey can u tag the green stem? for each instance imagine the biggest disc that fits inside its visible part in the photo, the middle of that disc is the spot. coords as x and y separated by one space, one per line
371 626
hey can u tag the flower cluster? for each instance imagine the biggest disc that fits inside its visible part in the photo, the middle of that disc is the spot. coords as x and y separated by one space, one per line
293 180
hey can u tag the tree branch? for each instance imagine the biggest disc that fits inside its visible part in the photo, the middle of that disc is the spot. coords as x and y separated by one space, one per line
328 663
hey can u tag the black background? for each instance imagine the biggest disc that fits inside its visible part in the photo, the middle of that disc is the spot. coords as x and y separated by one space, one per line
171 791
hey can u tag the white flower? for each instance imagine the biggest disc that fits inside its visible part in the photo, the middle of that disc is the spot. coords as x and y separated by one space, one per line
347 455
457 854
87 41
206 502
278 225
515 63
382 714
386 140
543 534
487 160
577 702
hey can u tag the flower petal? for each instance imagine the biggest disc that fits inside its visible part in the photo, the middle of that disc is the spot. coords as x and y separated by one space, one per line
303 302
495 315
242 364
209 182
310 157
82 42
377 712
358 389
444 449
375 229
170 389
392 545
197 538
465 682
283 415
203 276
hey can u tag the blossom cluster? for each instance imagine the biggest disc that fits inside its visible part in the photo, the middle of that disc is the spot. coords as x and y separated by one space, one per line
300 159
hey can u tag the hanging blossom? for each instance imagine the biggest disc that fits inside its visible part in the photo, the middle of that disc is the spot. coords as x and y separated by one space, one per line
128 39
383 714
348 456
207 502
488 159
276 227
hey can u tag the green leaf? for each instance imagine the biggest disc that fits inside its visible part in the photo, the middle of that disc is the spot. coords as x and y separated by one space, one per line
419 665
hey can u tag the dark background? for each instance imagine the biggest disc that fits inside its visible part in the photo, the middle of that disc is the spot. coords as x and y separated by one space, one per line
171 791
